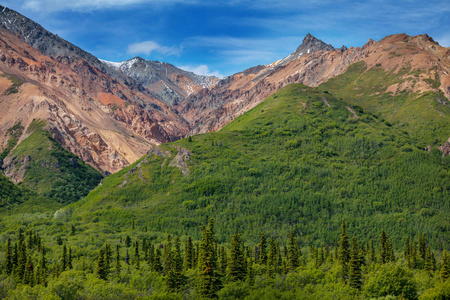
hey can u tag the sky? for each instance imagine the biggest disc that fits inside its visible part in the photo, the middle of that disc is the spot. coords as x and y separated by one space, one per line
225 37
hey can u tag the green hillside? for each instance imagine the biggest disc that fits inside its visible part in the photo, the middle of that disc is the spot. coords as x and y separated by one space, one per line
424 117
291 162
50 170
293 168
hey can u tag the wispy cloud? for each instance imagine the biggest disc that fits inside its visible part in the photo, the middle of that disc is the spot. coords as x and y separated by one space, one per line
201 70
91 5
148 47
246 51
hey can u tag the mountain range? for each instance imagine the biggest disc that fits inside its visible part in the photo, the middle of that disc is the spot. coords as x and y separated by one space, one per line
110 114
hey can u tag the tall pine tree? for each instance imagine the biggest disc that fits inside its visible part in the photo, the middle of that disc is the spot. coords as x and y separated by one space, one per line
344 251
208 280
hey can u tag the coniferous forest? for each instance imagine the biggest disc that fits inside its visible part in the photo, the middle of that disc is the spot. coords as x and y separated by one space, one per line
204 269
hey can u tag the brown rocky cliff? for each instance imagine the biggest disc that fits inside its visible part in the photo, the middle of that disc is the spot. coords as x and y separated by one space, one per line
106 123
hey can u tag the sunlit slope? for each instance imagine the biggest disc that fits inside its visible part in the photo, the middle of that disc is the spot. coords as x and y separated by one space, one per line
301 159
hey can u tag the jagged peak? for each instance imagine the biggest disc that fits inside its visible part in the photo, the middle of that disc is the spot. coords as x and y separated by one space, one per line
312 44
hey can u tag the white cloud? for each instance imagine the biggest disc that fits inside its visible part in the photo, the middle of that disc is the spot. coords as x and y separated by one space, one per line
90 5
201 70
148 47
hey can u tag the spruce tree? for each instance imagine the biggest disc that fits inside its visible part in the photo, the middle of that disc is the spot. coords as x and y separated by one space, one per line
108 257
355 277
168 255
272 258
21 260
69 259
43 268
445 267
151 256
118 264
236 262
292 253
101 266
263 250
157 266
128 241
384 248
64 259
407 250
208 281
175 278
188 254
136 258
8 264
28 276
344 251
428 261
422 246
223 261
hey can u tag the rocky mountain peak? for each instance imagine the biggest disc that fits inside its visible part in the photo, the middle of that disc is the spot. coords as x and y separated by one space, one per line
312 44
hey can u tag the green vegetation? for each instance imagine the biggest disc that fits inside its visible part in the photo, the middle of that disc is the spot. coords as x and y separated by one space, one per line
35 268
13 134
277 181
49 169
422 116
16 83
291 162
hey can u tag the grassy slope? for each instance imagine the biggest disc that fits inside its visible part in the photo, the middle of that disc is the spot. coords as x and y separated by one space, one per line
420 115
292 161
53 171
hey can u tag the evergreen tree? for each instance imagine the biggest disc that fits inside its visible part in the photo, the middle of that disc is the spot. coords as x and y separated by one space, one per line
208 281
136 258
151 256
101 266
69 259
42 268
188 254
64 259
28 276
223 261
108 257
422 246
127 258
8 264
175 277
118 264
21 260
445 267
292 253
355 277
168 255
344 251
384 248
272 258
263 250
128 241
157 266
428 261
407 250
250 278
236 263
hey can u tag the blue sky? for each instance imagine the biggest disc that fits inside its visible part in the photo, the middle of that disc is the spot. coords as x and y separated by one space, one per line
225 37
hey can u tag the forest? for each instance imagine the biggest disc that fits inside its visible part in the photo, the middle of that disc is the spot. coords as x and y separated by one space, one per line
204 269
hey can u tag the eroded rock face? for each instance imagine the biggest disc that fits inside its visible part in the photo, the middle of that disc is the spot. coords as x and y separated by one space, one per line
104 122
14 167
